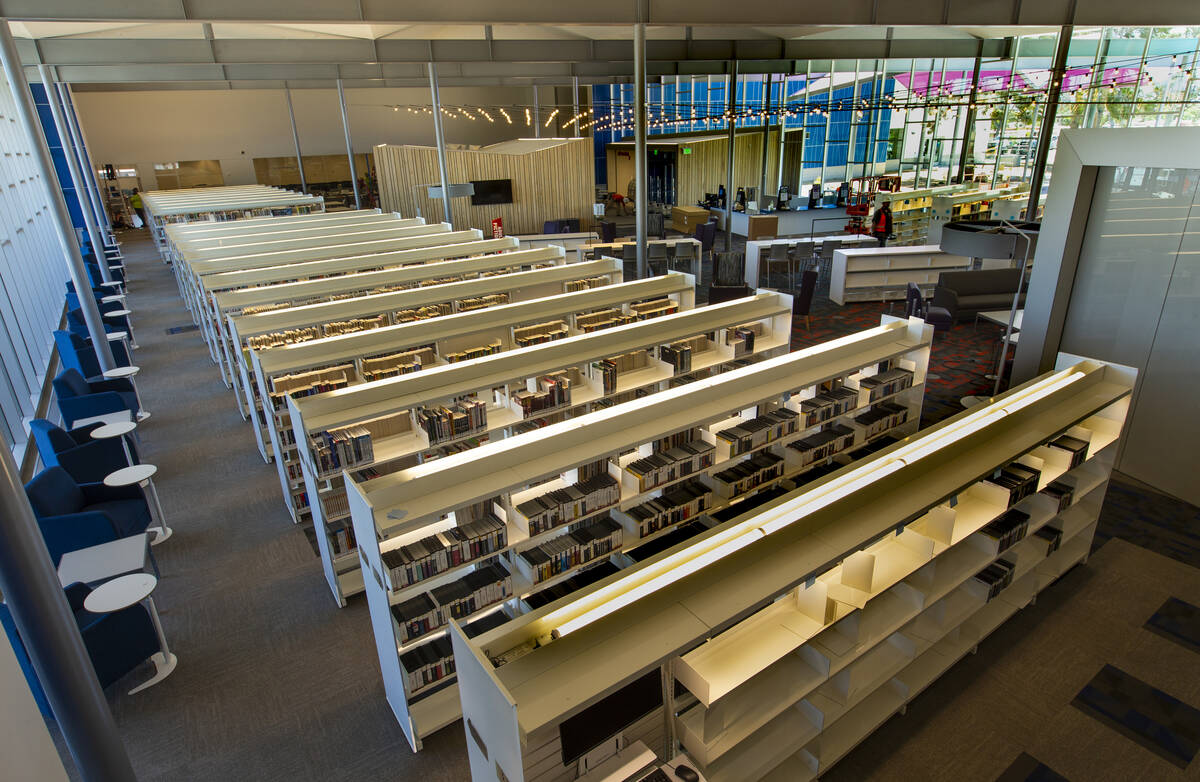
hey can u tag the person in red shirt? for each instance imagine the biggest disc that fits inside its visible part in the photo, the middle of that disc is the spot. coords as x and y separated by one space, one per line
619 202
881 223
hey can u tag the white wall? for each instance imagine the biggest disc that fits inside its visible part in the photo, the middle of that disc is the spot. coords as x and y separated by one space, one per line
239 125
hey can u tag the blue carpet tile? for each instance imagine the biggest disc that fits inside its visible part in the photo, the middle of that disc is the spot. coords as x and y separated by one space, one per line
1154 521
1166 726
1178 621
1027 768
182 329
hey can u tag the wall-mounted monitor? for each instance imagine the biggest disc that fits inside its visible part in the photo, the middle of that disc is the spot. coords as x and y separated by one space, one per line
492 191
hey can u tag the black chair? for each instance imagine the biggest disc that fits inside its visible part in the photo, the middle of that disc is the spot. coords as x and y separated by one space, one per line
802 300
915 307
608 231
656 258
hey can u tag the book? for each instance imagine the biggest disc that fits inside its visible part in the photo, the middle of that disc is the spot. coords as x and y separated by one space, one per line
441 422
665 466
592 540
761 467
437 553
760 430
566 505
677 503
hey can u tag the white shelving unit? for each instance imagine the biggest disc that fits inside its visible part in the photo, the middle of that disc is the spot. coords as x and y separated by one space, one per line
397 509
494 379
312 321
883 273
910 212
384 226
232 303
178 234
757 250
800 627
164 207
966 207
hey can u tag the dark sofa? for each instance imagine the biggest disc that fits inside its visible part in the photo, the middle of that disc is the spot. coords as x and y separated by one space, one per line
966 294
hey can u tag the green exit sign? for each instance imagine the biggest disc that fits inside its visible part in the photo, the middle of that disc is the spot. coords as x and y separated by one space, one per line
687 150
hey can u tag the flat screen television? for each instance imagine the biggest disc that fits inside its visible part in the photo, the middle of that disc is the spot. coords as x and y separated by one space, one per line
492 191
605 719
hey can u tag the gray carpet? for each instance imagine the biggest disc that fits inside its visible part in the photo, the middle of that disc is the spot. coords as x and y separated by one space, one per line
275 683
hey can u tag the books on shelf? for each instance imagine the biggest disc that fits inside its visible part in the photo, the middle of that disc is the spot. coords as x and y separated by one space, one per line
827 405
992 580
354 325
428 663
1061 492
1052 535
741 338
415 617
887 383
671 464
482 302
881 417
317 381
1074 446
439 552
440 423
564 506
394 364
553 390
653 308
478 351
676 503
539 333
276 339
823 444
586 283
679 354
592 540
607 369
1007 529
588 322
422 313
760 430
754 471
1018 480
341 448
429 611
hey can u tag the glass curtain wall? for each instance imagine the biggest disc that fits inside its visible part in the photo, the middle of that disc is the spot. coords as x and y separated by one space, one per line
854 118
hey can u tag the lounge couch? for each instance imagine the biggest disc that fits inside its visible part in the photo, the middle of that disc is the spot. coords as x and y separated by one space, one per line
965 294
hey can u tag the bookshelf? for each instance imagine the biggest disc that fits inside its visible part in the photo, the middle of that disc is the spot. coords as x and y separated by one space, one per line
910 212
268 243
264 298
361 313
192 247
446 335
758 250
164 207
883 273
398 509
494 386
966 207
799 628
180 233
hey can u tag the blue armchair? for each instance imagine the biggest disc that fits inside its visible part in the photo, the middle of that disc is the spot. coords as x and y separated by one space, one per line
76 515
87 460
79 398
76 352
77 325
117 643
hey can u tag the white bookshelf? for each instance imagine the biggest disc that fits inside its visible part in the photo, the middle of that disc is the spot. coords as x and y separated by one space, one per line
191 248
446 334
312 321
164 207
394 229
758 250
235 302
398 508
883 273
799 628
967 207
494 378
180 233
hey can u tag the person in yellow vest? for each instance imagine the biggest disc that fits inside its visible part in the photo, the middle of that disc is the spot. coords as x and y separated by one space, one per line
135 200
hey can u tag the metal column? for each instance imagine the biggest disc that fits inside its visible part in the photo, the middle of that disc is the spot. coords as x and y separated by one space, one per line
99 215
85 154
296 140
731 102
969 127
537 115
1048 115
440 140
766 135
575 103
60 127
349 147
641 193
26 115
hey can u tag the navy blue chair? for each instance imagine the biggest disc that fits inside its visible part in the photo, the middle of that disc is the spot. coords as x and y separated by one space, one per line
915 305
87 460
76 352
79 398
76 515
117 643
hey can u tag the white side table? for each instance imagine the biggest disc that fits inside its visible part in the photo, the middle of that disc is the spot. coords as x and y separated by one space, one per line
127 314
123 592
106 418
120 336
116 373
141 475
119 429
107 560
118 297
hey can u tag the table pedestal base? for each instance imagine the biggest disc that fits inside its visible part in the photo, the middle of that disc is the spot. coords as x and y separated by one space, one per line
163 666
142 416
160 534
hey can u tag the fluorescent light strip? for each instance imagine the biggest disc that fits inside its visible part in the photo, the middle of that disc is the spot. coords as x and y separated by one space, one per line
688 561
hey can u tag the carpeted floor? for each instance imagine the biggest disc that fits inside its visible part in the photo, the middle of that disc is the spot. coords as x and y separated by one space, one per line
276 683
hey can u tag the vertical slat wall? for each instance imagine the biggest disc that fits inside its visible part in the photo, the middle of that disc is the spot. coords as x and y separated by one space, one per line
704 169
555 183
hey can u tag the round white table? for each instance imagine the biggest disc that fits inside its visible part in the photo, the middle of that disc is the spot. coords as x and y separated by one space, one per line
127 315
116 373
120 336
116 297
119 429
141 474
123 592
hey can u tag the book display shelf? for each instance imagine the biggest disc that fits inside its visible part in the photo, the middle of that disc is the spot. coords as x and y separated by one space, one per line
362 313
967 207
270 297
785 637
421 417
883 273
551 511
179 234
384 227
218 204
361 354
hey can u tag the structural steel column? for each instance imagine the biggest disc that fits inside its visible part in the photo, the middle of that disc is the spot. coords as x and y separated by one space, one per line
731 102
60 127
87 157
296 140
641 195
575 107
969 128
26 115
93 196
537 115
1043 149
440 140
349 147
766 135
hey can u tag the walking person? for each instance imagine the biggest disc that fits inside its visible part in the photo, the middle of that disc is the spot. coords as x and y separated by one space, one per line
135 201
881 223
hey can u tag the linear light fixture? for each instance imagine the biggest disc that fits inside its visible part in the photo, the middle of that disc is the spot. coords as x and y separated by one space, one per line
616 596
